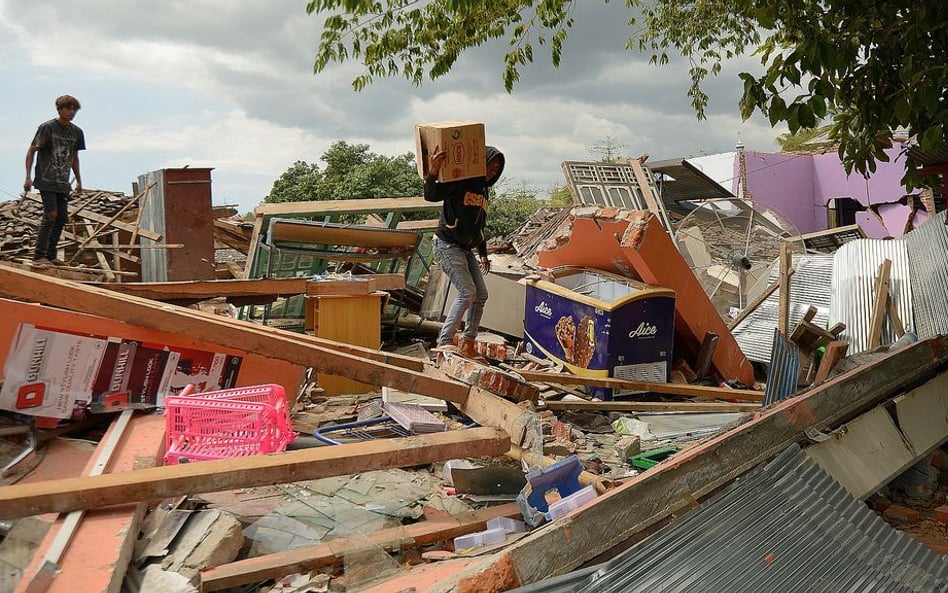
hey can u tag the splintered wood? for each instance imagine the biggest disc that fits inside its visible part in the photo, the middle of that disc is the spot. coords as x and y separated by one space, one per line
99 241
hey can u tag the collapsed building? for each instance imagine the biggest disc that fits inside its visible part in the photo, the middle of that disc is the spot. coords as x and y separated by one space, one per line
678 390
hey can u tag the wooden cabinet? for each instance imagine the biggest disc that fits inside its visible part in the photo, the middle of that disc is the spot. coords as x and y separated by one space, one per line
352 319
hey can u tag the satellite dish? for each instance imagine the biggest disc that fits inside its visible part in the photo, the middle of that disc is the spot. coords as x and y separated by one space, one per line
731 245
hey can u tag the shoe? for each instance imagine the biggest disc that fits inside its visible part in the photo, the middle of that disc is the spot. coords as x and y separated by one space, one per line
58 262
467 347
41 263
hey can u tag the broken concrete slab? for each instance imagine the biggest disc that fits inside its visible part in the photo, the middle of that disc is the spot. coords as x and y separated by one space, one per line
208 539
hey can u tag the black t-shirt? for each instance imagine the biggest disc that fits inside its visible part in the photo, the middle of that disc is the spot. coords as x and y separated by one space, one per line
58 145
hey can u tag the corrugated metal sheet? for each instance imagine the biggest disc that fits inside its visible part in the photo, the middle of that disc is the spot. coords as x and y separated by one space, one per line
808 284
784 371
928 253
787 527
855 268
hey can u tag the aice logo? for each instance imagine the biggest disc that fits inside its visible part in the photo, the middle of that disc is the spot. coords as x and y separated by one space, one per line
544 310
644 330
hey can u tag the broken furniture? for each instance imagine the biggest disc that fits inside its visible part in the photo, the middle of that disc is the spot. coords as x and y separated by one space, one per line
263 261
810 339
178 207
350 319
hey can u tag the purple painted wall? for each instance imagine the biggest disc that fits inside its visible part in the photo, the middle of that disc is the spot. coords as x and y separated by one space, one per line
785 183
800 186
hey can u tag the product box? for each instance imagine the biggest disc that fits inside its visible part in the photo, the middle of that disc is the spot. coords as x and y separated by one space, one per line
462 141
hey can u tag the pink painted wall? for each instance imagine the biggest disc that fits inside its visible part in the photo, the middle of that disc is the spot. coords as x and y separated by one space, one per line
785 183
799 187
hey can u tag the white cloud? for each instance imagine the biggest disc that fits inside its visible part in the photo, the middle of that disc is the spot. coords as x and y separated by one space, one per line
229 85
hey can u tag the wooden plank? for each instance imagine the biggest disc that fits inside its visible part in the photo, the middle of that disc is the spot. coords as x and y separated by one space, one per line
114 217
325 355
69 494
834 352
268 287
894 318
253 246
786 271
308 558
667 388
633 406
367 206
879 309
124 226
98 555
673 487
299 232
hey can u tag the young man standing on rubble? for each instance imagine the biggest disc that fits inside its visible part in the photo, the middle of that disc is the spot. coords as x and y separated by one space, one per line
57 144
460 231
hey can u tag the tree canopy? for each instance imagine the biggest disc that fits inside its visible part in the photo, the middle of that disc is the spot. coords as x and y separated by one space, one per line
351 171
870 67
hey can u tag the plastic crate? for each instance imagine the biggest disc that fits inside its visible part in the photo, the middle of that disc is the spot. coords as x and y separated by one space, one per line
225 424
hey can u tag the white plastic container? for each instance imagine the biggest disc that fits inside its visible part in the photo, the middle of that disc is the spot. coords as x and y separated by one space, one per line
562 507
507 524
480 539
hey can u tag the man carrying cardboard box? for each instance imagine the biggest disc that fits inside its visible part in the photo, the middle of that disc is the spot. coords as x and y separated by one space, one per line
460 230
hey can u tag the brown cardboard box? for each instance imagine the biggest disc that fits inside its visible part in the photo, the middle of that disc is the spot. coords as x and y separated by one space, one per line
463 141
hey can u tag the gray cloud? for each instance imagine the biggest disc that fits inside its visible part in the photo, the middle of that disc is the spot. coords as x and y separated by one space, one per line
257 58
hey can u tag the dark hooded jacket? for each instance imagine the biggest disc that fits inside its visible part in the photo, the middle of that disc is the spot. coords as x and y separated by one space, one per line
464 212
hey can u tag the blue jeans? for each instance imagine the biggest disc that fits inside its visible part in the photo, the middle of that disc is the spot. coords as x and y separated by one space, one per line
51 227
464 271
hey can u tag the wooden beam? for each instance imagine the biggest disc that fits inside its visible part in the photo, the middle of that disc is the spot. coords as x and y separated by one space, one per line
21 500
368 206
308 558
786 271
834 352
102 544
631 406
122 226
325 355
666 388
879 307
268 287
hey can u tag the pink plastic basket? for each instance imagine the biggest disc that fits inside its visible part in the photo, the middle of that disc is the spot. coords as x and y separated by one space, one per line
228 423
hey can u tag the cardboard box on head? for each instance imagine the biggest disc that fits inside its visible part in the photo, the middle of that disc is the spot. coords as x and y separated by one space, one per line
462 141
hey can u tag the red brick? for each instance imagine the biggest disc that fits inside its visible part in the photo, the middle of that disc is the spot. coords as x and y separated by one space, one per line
487 377
899 514
940 514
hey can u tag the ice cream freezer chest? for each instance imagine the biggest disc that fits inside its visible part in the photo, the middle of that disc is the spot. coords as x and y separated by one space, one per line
599 324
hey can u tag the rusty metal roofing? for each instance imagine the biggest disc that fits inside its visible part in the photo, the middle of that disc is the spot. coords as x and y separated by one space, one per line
812 275
930 158
928 253
786 527
855 269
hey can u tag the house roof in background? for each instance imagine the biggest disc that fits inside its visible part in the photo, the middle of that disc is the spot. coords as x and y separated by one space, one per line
679 180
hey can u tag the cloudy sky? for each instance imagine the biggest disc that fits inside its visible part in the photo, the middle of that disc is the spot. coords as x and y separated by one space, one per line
229 85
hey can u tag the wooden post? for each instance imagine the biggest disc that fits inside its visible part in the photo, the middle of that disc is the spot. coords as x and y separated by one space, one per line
786 271
879 308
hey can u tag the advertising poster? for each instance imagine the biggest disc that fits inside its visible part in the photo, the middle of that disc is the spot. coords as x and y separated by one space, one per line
52 373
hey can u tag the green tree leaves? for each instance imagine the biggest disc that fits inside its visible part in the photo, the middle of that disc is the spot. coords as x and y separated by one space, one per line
876 66
351 172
